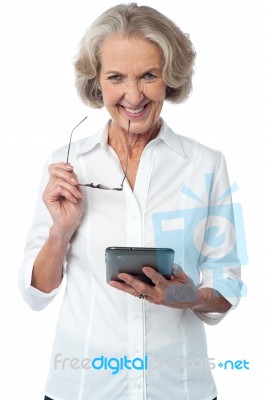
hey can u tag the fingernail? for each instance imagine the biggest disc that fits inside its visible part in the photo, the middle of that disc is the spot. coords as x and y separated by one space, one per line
73 181
68 166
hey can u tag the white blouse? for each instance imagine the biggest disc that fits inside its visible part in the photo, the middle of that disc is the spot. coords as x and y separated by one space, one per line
109 344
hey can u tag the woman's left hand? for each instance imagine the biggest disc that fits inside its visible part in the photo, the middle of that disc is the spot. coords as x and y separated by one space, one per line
178 292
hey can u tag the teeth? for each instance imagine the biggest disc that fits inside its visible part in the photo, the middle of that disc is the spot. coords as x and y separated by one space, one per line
134 111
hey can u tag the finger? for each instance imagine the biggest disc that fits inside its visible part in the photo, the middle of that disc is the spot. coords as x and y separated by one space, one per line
74 190
61 189
69 177
63 165
178 274
63 171
157 278
124 287
71 196
151 300
138 285
177 269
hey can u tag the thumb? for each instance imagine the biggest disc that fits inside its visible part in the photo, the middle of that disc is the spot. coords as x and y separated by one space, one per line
178 273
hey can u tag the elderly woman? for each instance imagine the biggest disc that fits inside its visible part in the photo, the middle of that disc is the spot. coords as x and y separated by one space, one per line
129 339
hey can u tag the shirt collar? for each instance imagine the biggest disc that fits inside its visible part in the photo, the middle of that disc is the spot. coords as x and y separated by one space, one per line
170 138
89 143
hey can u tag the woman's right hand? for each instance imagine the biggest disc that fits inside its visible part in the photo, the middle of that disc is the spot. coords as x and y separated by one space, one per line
64 199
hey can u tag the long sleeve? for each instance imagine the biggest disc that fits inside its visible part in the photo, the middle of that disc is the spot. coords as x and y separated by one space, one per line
219 259
37 236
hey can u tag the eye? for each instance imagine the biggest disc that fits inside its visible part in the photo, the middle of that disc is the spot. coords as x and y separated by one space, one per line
149 77
115 78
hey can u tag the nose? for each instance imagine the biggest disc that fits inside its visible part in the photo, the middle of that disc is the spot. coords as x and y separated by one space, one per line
133 92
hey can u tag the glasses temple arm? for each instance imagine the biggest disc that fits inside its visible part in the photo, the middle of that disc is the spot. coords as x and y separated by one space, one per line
70 140
128 146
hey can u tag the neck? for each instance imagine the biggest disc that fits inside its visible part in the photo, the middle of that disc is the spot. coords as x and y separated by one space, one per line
118 139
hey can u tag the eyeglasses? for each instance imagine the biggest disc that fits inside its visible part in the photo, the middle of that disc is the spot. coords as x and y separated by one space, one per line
100 186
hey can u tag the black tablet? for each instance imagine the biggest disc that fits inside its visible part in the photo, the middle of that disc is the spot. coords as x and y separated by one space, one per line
132 259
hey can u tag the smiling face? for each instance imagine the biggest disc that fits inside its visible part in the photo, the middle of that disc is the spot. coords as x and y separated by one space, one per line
132 84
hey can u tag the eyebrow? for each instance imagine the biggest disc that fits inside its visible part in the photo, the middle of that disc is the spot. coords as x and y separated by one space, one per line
114 72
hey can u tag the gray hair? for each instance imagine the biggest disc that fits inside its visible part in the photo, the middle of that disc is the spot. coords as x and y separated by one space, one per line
131 20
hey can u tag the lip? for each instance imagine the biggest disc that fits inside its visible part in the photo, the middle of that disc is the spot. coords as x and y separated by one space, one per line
135 114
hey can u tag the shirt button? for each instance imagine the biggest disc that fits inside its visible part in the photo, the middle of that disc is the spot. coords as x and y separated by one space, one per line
138 385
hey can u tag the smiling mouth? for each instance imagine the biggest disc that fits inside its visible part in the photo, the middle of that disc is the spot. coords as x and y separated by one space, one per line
134 110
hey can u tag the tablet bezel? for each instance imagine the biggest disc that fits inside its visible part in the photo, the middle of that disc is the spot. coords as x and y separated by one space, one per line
132 259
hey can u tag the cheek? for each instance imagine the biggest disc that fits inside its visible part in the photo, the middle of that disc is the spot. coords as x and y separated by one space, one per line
111 96
156 94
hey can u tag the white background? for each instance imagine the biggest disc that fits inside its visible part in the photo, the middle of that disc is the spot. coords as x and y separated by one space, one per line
38 109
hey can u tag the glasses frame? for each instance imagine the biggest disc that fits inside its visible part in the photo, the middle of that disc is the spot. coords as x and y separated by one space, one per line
99 185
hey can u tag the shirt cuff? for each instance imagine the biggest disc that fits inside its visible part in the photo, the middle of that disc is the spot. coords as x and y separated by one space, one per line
211 318
35 298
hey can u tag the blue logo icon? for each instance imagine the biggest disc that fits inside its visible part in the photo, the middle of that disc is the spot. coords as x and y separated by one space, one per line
211 237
